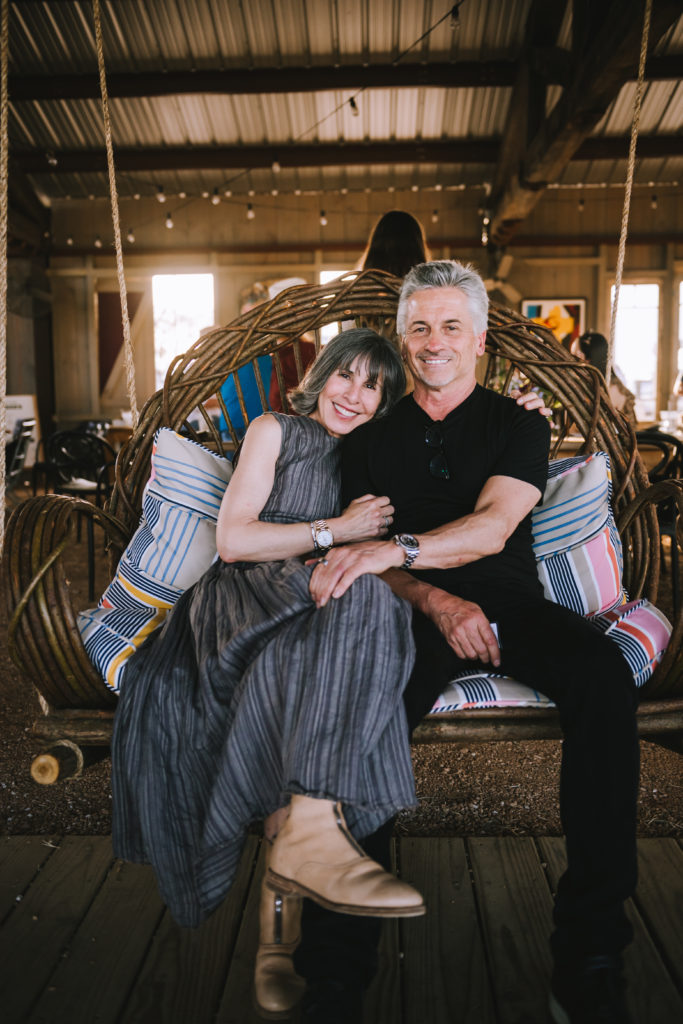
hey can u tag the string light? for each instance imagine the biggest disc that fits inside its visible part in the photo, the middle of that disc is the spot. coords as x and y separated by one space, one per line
275 191
130 236
205 194
51 158
215 198
69 240
323 219
354 107
227 193
414 188
250 212
275 166
136 195
653 203
438 186
251 192
161 195
182 195
98 242
169 221
455 17
435 216
581 204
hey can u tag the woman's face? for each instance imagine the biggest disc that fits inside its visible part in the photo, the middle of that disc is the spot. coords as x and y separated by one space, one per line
348 399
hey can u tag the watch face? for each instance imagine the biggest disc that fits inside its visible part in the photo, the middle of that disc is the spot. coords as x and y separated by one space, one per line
407 540
324 538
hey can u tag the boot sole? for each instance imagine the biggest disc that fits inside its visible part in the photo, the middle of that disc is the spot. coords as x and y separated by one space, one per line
277 883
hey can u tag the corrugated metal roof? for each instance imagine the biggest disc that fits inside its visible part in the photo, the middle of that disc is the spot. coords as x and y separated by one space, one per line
184 35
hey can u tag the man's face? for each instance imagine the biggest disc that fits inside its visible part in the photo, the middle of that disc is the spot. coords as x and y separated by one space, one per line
439 343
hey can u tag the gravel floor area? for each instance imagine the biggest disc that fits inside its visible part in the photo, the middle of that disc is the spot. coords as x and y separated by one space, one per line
480 789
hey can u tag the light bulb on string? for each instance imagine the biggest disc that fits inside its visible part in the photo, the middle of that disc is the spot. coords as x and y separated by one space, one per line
182 195
581 205
275 191
205 194
251 192
455 17
98 242
275 166
438 187
130 236
136 195
653 203
215 198
169 221
354 107
227 193
435 216
323 219
250 212
69 240
161 195
414 188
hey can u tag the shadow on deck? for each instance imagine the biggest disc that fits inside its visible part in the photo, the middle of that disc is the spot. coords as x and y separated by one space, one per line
85 938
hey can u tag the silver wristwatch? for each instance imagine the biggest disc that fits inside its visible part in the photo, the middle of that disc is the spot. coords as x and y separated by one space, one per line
410 545
322 535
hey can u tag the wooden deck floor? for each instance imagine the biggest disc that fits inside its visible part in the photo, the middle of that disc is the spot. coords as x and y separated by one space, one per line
85 938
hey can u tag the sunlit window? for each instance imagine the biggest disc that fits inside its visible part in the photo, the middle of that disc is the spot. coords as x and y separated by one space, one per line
636 344
329 330
183 306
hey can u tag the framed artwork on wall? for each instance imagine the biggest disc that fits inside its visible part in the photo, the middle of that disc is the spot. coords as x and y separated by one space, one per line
566 318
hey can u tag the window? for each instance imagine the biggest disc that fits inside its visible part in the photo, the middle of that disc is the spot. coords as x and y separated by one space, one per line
183 307
636 344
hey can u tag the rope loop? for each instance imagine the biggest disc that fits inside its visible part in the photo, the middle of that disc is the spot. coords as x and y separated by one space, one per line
127 345
629 184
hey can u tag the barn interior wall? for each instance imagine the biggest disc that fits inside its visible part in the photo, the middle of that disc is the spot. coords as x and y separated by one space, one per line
564 249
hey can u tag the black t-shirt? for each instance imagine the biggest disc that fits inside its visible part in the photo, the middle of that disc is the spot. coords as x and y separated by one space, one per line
486 435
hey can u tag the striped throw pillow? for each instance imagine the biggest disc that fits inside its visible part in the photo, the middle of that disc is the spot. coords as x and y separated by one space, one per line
639 629
576 543
173 546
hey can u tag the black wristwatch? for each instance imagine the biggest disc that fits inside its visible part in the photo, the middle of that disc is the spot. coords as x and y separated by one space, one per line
410 545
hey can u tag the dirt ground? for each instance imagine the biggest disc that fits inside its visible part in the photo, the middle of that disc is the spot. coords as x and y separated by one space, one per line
480 789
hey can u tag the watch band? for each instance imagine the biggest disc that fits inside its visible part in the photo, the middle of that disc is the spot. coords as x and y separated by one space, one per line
410 546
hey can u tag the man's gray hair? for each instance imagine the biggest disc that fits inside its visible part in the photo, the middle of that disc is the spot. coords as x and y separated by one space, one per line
446 274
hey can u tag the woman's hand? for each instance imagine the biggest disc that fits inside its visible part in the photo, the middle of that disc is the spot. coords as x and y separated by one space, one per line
365 518
531 399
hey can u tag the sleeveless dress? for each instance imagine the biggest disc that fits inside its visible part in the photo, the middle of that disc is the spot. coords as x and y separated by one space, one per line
248 694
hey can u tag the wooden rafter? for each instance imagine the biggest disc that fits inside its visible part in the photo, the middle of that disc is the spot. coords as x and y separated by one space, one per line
606 59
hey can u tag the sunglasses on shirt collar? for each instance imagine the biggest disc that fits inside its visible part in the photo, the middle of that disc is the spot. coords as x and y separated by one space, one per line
438 466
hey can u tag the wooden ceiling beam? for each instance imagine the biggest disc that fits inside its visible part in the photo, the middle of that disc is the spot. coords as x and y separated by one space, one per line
250 81
611 35
452 151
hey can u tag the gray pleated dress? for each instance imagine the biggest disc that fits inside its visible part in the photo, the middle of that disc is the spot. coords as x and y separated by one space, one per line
248 693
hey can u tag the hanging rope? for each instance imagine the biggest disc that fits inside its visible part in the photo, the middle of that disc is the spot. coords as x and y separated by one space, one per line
127 345
4 106
629 184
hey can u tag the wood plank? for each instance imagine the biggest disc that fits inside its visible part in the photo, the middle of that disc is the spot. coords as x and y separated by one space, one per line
383 1002
659 898
21 858
651 994
106 952
39 930
444 968
516 915
183 974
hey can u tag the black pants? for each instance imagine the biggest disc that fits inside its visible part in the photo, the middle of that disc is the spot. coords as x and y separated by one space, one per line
557 652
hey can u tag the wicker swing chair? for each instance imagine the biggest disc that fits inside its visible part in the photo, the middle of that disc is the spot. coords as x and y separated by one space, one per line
44 640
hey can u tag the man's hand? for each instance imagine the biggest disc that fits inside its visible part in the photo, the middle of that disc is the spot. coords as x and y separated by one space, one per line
464 625
334 574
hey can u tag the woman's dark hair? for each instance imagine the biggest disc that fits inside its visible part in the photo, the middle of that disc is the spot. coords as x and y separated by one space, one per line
382 361
594 348
396 244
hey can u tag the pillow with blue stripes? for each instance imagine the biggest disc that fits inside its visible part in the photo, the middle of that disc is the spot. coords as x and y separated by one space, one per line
577 546
173 546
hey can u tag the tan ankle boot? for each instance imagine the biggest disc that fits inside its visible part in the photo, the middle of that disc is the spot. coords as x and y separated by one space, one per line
315 855
277 987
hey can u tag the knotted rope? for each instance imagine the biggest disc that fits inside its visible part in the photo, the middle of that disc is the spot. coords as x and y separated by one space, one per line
127 345
629 184
4 107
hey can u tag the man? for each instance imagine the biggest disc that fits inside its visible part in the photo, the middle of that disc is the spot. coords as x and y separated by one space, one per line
464 467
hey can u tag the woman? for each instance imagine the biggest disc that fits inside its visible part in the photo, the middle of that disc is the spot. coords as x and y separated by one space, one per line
397 244
250 700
